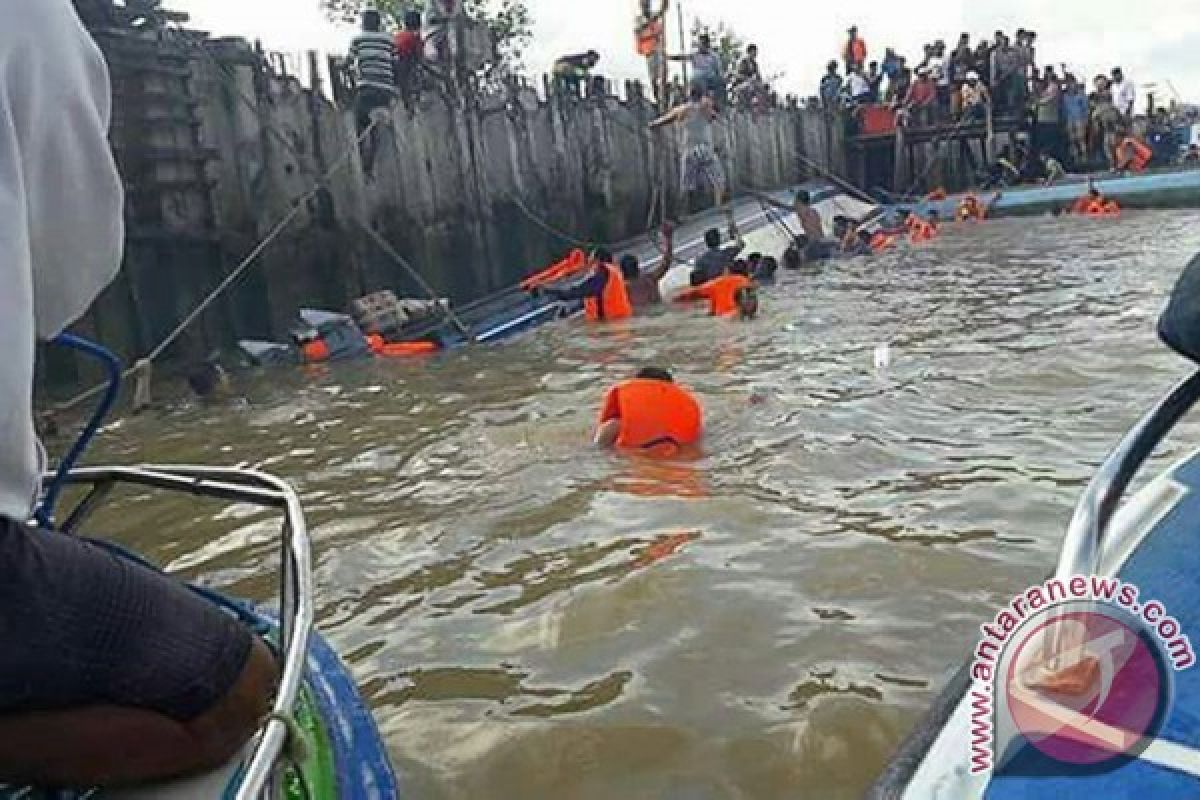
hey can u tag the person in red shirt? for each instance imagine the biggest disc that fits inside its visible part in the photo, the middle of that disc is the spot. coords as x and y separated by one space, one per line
409 49
922 98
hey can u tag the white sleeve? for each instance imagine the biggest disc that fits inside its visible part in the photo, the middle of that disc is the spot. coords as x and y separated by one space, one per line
61 203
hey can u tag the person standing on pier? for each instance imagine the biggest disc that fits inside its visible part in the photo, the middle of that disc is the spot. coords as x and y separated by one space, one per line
708 73
702 167
373 56
650 32
855 51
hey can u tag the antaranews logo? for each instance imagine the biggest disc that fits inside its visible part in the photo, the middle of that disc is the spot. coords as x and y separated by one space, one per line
1075 676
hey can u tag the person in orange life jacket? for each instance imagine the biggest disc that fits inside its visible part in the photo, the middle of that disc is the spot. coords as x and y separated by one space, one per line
648 412
1133 155
604 293
721 292
642 286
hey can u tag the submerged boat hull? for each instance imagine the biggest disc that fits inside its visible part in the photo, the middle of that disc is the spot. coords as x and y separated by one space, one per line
1164 189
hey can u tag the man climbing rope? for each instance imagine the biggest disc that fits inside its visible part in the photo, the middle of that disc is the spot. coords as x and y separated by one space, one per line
110 673
701 165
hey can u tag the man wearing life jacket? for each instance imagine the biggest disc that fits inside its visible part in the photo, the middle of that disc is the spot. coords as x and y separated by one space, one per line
604 294
855 51
648 413
111 674
1133 155
920 229
721 293
970 210
650 36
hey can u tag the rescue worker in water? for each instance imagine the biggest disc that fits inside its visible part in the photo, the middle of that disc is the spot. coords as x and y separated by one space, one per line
604 293
730 295
649 413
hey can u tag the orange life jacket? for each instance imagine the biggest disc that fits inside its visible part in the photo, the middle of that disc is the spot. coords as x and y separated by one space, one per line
653 413
650 37
614 303
937 195
920 230
721 293
406 349
971 209
315 351
575 261
1141 154
882 241
856 50
1082 205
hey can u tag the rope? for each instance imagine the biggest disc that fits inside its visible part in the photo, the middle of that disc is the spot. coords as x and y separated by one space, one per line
275 232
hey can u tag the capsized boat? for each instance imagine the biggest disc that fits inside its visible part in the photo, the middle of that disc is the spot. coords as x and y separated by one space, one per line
517 309
320 741
1155 189
1148 543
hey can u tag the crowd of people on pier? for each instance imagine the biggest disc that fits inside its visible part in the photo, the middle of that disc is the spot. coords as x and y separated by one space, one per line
1066 118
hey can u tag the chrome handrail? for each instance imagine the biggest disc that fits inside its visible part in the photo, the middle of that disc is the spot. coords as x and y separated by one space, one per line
1085 535
295 602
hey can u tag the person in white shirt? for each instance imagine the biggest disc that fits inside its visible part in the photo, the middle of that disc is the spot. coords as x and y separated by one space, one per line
1124 94
110 673
857 85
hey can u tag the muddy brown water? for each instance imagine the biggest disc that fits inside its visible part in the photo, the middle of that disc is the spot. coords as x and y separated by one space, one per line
532 619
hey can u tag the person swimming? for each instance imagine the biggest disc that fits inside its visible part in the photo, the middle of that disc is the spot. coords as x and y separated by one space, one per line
767 269
648 413
721 293
604 293
643 287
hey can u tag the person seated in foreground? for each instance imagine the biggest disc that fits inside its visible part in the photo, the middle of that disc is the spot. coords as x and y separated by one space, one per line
643 287
111 673
650 413
604 293
716 259
721 292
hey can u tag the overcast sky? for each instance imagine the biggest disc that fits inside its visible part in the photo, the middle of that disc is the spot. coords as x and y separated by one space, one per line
1089 35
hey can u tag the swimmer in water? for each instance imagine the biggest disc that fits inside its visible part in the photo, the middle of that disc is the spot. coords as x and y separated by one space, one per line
643 286
765 274
648 413
721 293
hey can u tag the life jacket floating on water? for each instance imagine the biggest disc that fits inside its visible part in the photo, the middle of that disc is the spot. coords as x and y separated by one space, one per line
1107 208
575 262
653 414
385 349
882 241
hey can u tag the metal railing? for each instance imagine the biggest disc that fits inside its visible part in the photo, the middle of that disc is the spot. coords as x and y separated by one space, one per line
256 780
1082 547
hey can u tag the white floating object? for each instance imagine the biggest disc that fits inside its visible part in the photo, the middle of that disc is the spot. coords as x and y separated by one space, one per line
883 356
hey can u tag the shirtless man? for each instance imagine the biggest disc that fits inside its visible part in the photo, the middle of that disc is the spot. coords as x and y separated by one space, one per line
819 247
